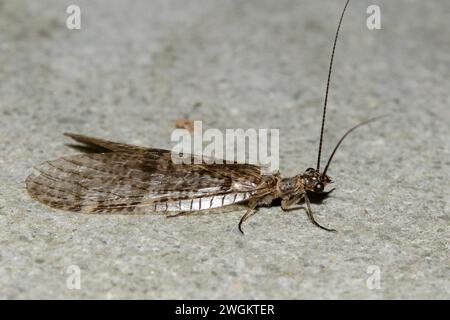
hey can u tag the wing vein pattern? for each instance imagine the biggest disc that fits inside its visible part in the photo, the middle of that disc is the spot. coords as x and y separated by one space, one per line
121 177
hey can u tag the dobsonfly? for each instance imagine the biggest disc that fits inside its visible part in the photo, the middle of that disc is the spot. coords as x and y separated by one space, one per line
115 177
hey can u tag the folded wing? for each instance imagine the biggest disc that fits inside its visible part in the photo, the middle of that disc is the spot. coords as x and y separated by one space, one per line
127 178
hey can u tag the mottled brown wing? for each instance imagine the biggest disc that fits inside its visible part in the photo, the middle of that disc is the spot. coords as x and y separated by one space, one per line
128 178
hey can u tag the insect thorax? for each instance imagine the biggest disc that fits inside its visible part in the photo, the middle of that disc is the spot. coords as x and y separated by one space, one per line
289 186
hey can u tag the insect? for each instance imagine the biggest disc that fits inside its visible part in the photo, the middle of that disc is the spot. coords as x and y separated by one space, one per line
116 177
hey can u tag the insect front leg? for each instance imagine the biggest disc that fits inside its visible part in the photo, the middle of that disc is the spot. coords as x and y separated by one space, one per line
311 216
286 204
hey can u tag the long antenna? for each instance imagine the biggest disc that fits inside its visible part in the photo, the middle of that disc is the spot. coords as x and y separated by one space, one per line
328 85
343 137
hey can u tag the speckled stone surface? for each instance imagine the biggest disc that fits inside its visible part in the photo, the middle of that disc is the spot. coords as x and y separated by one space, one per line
135 67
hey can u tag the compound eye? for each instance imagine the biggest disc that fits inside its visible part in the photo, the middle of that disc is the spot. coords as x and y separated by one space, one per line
318 187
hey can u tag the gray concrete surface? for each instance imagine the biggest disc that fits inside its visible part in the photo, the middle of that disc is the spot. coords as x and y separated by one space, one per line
135 67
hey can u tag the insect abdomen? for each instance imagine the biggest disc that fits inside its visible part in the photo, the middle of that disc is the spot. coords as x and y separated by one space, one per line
203 203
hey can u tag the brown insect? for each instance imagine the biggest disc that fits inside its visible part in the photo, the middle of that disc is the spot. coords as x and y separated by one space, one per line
117 177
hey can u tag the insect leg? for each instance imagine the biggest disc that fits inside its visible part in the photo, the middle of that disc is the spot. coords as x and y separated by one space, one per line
311 216
251 211
286 204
